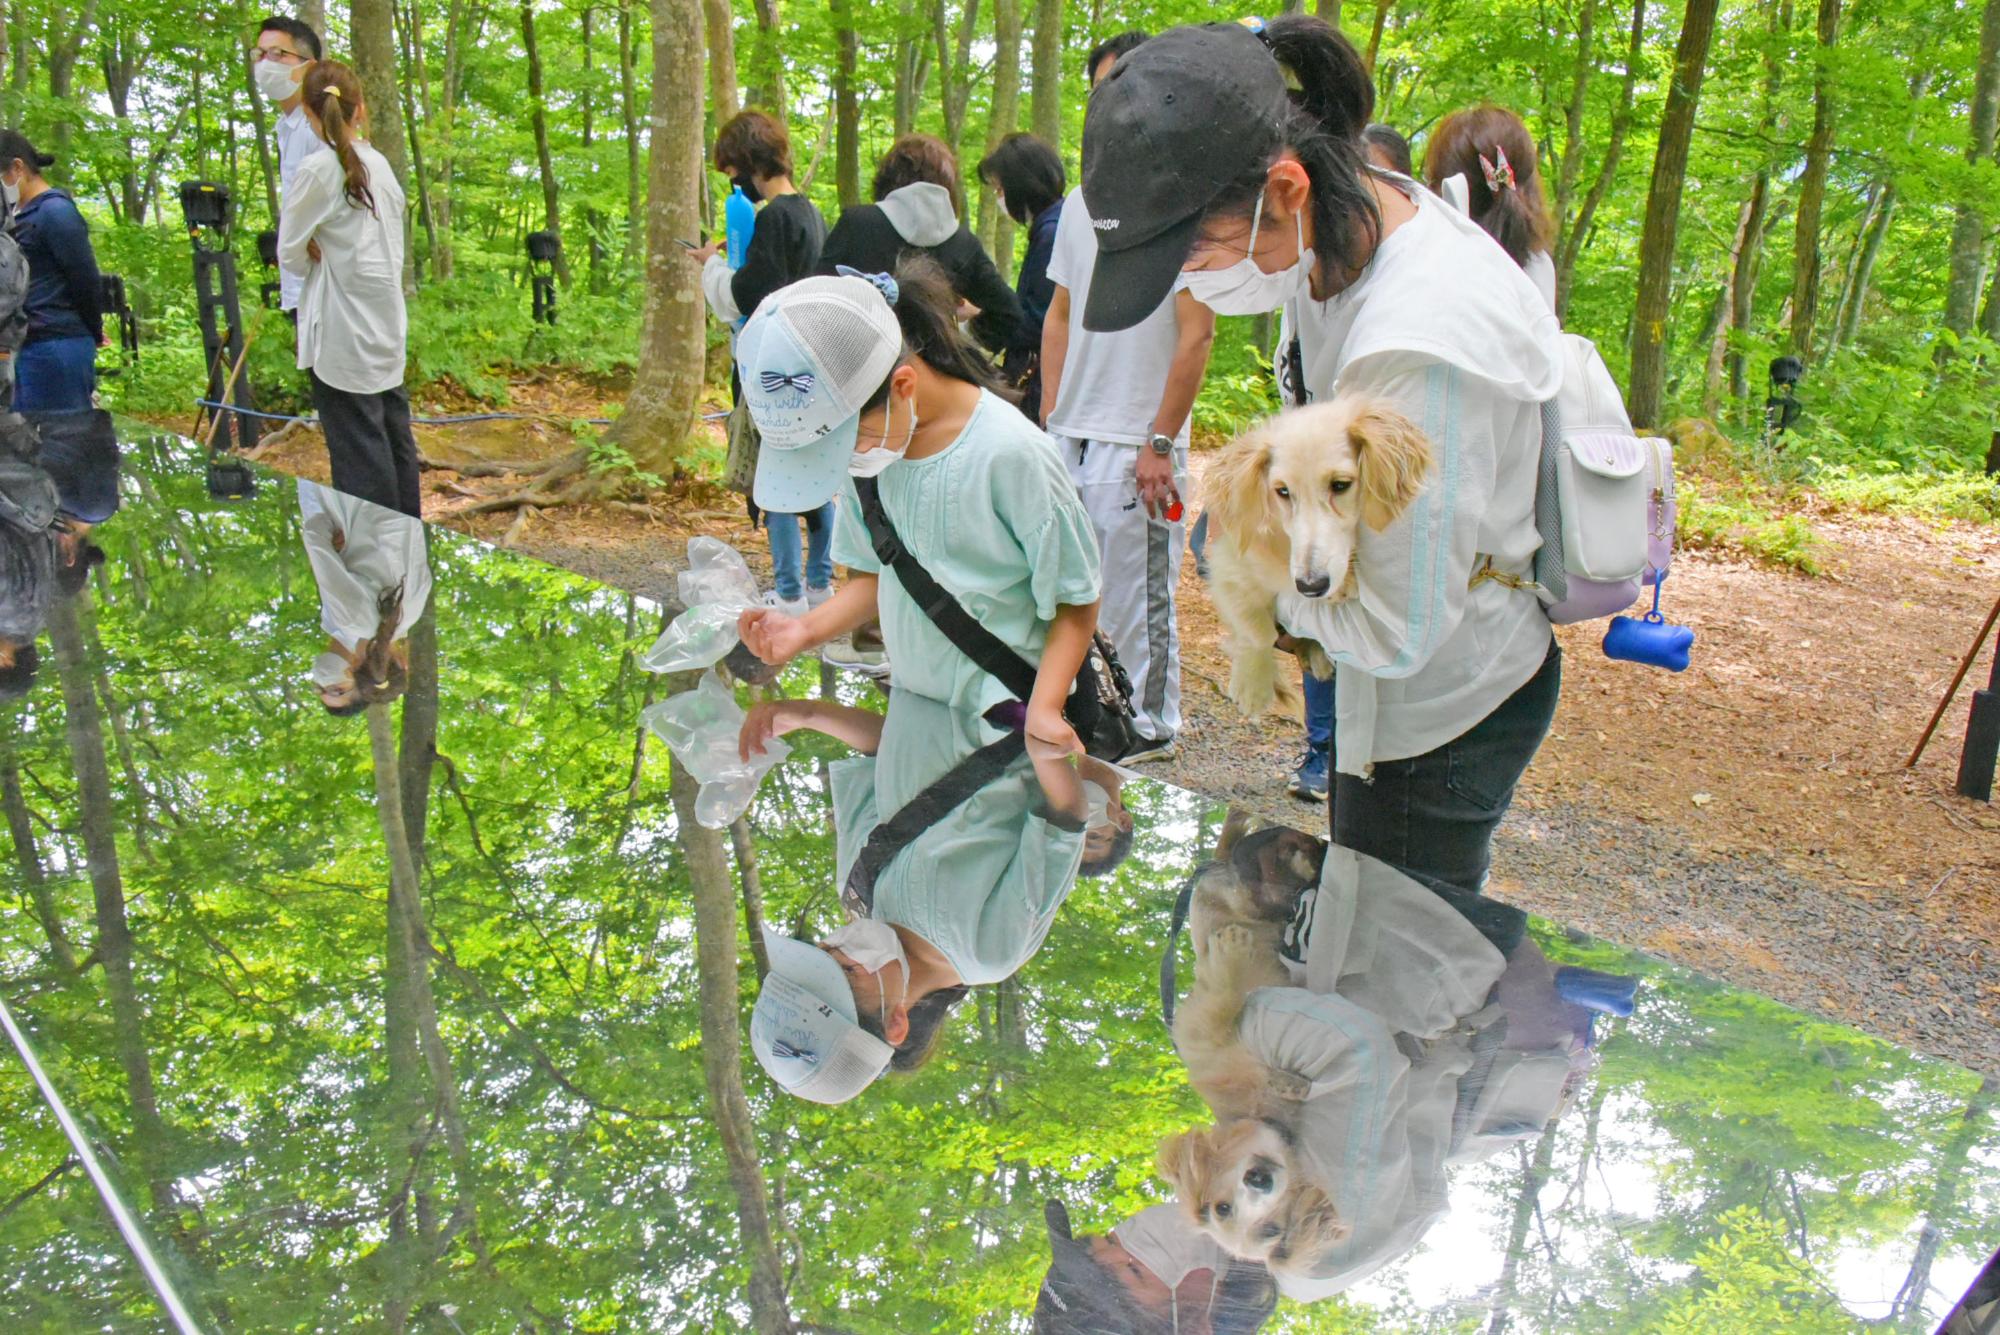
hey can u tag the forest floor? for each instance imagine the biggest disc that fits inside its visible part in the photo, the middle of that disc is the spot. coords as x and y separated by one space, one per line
1750 817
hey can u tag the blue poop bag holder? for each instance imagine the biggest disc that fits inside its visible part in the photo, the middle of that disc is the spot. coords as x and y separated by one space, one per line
1650 639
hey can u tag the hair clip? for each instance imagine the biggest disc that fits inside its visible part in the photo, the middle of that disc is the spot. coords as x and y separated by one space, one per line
1499 174
883 283
333 90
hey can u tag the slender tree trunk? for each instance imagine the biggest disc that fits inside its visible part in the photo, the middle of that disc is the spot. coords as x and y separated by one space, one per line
1718 347
847 105
628 107
1806 266
1382 8
1663 210
716 945
411 35
1855 298
1577 232
1947 1184
954 58
1989 319
904 114
995 227
461 31
770 59
1534 1172
261 127
417 753
1570 170
719 17
312 13
660 410
64 47
1045 101
1968 232
1328 10
20 826
745 848
373 25
538 120
1743 279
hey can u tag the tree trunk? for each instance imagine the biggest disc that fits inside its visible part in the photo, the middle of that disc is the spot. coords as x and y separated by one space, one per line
1570 169
1045 101
716 944
1748 218
1663 210
1806 267
1989 319
20 826
954 63
63 49
1534 1172
1328 10
1576 232
120 61
660 410
417 753
373 25
265 158
1743 280
538 119
1968 232
461 31
628 108
745 849
995 227
847 105
411 34
1382 8
770 70
312 13
719 21
1947 1183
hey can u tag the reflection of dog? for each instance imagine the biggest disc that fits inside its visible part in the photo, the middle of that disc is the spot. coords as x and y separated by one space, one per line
1237 1179
1289 499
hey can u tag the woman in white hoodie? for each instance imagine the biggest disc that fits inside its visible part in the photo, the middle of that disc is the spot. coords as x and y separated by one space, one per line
1229 157
342 231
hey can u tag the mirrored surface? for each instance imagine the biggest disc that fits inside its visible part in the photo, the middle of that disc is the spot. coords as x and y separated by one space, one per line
437 1015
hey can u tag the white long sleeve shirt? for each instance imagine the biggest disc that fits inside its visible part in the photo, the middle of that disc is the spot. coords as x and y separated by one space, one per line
1449 330
296 143
353 329
378 549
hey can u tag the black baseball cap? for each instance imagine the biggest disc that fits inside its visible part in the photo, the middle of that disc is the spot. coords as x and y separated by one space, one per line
1078 1296
1174 122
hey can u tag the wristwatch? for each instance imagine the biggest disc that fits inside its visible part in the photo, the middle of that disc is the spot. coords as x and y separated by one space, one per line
1162 445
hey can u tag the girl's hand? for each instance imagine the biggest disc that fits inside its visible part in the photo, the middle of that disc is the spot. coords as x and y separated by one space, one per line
707 252
1049 733
766 721
773 636
312 249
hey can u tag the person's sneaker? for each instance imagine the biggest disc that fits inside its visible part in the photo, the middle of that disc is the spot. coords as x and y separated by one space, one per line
791 607
1309 780
1149 750
814 597
858 651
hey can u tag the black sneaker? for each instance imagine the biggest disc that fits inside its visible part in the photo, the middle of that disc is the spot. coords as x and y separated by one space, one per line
1309 780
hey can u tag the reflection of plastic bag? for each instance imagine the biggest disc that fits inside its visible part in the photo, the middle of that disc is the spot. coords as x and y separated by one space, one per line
717 588
701 727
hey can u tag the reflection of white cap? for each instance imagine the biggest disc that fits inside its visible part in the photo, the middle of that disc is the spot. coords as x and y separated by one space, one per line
803 1027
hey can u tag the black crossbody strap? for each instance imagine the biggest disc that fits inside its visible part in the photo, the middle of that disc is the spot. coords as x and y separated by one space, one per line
976 642
927 808
1182 902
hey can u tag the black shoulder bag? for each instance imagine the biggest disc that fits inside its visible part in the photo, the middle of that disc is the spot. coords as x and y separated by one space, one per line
1100 706
924 810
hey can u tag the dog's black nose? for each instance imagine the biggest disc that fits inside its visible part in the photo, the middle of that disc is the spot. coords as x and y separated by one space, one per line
1315 588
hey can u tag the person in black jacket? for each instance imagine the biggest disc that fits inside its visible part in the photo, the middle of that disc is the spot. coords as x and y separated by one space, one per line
56 370
1031 182
754 152
916 208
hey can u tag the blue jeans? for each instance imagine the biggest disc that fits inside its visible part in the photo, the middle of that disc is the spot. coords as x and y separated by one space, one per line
56 375
785 553
1432 816
1319 712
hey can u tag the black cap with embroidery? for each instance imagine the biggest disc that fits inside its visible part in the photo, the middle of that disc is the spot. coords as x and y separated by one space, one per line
1078 1296
1173 123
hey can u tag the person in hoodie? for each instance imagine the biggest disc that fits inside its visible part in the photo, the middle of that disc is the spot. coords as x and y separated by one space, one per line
1229 158
916 208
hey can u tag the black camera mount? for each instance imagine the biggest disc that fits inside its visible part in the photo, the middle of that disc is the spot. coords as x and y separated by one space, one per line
209 211
543 249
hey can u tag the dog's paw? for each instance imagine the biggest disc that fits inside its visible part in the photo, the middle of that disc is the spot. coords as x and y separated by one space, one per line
1234 941
1287 1087
1253 684
1316 661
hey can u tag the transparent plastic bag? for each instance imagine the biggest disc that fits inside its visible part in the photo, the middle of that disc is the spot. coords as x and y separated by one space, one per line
702 727
717 588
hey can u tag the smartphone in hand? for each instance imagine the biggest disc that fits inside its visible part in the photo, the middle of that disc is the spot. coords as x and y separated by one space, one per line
687 245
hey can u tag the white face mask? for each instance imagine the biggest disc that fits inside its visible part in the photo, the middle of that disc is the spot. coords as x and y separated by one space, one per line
1097 805
274 80
1161 1239
872 463
332 670
12 192
1245 289
874 946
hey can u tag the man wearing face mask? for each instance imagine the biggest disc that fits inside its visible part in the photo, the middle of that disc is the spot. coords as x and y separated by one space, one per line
284 48
1154 1274
954 851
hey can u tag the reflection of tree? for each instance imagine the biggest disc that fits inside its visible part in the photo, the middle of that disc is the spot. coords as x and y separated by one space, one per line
1948 1185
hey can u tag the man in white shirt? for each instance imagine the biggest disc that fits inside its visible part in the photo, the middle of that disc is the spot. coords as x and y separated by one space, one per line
1118 407
284 48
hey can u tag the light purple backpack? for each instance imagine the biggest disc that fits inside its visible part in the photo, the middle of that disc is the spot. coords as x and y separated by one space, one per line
1604 501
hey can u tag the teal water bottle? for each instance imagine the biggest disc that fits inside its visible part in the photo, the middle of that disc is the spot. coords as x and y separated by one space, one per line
739 217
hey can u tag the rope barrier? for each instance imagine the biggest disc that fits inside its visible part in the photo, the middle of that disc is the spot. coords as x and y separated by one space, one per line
457 419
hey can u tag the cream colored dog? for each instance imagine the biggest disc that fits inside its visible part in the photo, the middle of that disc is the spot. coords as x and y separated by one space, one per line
1289 499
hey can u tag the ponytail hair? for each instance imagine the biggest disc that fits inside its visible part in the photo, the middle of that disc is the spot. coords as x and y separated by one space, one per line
1512 211
1332 98
926 308
334 94
380 675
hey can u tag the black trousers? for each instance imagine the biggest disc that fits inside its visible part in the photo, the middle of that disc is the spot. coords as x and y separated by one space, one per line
1432 816
369 443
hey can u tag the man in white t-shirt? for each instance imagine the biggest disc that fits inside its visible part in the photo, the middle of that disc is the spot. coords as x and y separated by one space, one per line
285 46
1118 407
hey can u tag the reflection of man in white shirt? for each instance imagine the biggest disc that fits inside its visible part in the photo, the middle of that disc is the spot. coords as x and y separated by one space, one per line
284 48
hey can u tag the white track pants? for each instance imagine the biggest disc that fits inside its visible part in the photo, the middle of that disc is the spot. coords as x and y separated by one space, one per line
1142 565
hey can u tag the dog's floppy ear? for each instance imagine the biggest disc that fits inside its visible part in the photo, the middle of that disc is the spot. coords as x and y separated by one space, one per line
1394 458
1237 490
1312 1227
1184 1162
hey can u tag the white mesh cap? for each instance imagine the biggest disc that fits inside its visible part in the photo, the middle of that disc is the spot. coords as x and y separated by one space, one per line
809 359
803 1027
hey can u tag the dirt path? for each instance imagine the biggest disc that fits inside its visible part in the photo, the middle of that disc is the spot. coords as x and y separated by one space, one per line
1750 817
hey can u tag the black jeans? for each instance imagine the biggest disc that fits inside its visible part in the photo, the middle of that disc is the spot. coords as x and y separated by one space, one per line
369 443
1432 816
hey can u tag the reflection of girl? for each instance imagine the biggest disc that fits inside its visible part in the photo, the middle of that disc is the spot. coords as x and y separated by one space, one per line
374 582
971 895
1153 1272
342 231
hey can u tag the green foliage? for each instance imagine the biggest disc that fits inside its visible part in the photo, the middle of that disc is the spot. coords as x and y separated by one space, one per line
1735 519
1751 1280
1887 490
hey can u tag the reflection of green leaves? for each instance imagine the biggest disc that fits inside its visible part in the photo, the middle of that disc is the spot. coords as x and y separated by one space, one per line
1750 1280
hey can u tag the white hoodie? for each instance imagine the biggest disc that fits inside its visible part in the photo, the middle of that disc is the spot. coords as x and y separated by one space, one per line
921 213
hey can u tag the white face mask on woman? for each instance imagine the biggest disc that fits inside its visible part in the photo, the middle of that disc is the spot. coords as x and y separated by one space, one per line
874 946
872 463
11 191
1161 1239
275 80
1245 289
